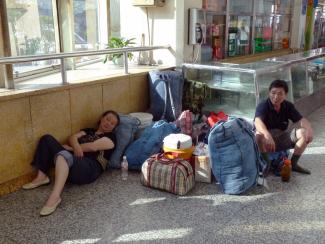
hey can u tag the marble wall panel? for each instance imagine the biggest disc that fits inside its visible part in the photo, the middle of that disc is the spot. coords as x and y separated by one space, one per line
86 106
116 95
51 115
16 139
139 93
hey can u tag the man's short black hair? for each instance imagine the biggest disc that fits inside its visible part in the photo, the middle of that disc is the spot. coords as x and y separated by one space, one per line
279 84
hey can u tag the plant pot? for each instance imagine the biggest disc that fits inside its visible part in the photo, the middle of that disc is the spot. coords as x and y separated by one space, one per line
118 61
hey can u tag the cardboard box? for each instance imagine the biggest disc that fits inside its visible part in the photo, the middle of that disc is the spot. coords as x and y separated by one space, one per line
202 169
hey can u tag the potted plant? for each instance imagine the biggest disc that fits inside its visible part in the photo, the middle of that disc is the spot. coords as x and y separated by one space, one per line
118 42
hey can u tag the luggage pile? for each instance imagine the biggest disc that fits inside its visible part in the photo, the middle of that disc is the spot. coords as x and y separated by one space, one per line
181 147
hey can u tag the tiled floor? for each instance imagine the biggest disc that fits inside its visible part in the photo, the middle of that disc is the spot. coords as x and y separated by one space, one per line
113 211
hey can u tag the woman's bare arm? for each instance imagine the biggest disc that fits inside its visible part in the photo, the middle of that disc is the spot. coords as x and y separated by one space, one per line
73 142
103 143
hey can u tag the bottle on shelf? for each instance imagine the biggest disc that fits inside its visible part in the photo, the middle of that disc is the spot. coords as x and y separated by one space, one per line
124 168
232 39
286 170
285 42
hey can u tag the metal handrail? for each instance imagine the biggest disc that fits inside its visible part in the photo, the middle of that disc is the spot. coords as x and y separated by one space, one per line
62 56
275 63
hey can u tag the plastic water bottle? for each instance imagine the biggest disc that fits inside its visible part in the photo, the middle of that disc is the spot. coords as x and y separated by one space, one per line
124 168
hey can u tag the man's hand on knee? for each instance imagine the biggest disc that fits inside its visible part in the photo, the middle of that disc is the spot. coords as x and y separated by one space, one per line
269 143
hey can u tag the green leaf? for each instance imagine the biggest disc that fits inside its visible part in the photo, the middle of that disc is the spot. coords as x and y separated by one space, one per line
118 42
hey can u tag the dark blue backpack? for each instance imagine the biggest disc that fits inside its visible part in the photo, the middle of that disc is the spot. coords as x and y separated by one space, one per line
166 93
235 159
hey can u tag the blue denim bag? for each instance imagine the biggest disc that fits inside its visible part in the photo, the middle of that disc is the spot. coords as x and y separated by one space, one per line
235 158
149 143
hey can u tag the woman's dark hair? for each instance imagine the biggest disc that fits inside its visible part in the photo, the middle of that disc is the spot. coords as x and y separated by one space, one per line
110 112
279 84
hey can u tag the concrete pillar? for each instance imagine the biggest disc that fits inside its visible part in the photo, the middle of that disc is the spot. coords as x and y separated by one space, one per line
114 23
298 24
184 52
103 22
310 21
91 20
66 22
6 71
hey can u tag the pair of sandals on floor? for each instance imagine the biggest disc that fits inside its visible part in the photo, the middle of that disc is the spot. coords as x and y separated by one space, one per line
46 210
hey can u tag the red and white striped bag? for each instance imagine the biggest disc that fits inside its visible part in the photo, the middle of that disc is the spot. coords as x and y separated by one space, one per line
184 122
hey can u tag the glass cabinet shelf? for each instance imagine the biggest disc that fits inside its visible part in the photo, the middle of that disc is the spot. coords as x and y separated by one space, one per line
238 88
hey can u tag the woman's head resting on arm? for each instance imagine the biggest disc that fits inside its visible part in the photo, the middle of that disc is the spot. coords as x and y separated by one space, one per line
108 121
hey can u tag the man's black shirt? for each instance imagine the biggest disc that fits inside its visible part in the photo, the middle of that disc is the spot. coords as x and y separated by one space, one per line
277 120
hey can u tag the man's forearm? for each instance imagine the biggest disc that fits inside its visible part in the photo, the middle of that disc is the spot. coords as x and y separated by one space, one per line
304 123
261 127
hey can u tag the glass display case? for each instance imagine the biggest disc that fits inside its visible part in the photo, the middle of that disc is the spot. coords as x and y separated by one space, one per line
263 34
237 89
307 71
281 24
236 27
281 31
238 7
239 33
215 6
282 7
272 25
319 27
258 26
239 27
264 11
264 7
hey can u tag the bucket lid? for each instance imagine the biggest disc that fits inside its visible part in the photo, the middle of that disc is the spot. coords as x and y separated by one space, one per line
178 141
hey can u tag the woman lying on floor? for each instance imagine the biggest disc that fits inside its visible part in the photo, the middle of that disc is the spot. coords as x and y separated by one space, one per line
80 162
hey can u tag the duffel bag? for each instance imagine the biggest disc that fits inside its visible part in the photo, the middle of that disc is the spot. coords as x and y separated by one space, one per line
172 175
235 159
